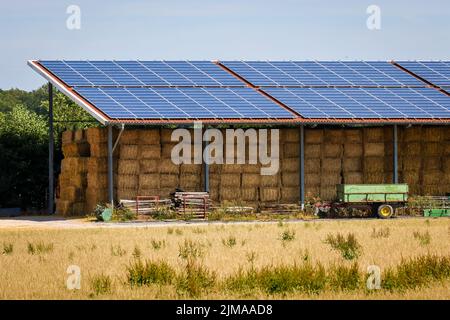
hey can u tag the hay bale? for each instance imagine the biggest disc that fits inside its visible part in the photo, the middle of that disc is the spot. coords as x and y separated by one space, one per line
67 137
270 181
411 164
97 180
328 193
411 177
411 149
331 165
76 149
373 164
313 136
97 135
214 194
374 149
353 150
73 179
446 148
353 136
312 179
330 179
214 181
352 164
230 194
166 136
231 168
148 151
312 166
191 168
432 177
98 165
290 165
215 168
129 151
432 163
433 134
374 177
249 194
167 166
128 167
269 194
127 194
149 137
290 195
71 193
446 164
79 135
166 150
76 165
250 180
412 134
129 137
353 178
375 134
290 135
149 166
312 151
127 181
230 180
251 168
312 192
332 150
432 149
149 181
169 181
291 150
190 182
290 179
63 207
334 136
99 150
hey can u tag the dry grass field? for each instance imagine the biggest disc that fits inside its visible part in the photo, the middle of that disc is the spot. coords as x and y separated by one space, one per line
203 260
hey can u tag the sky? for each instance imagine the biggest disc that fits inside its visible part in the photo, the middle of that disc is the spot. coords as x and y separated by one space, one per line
218 30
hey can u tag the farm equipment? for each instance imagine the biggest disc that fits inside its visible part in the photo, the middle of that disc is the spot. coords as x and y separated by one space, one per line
433 206
382 199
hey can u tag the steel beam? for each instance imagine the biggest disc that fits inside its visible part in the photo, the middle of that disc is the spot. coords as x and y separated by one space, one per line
395 155
302 166
51 184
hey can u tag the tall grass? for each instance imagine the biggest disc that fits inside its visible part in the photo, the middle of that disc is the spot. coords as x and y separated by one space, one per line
349 246
149 272
39 248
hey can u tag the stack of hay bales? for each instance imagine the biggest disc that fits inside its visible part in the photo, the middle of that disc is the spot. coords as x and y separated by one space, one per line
73 177
128 165
169 172
148 156
433 175
331 160
374 155
313 155
411 155
97 168
446 160
353 157
290 169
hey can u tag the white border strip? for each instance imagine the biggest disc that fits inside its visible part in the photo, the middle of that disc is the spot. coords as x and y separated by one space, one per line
36 67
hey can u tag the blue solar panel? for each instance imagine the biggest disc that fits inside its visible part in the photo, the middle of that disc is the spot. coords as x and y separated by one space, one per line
173 103
141 73
322 73
365 103
436 72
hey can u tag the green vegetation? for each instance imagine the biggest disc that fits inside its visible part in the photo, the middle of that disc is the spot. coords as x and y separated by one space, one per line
39 248
348 247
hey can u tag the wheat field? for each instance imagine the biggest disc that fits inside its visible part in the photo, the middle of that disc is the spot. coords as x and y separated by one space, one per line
34 261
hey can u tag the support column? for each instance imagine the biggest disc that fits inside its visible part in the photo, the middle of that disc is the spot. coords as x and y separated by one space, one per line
395 155
51 196
302 166
110 167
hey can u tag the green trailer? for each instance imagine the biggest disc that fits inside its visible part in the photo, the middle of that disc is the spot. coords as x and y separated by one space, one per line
380 198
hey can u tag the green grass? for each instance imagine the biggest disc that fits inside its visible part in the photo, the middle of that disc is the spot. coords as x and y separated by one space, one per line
348 246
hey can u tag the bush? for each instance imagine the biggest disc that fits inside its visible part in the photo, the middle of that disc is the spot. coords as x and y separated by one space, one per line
101 284
348 247
150 272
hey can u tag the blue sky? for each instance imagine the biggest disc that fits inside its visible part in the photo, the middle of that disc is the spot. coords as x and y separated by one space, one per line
209 30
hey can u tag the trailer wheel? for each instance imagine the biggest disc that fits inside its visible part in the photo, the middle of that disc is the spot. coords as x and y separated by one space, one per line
385 211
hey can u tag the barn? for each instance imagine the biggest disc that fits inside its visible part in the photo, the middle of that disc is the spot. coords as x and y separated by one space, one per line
334 122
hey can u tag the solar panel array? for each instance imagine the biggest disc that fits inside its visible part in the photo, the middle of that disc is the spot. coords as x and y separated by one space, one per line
436 72
167 90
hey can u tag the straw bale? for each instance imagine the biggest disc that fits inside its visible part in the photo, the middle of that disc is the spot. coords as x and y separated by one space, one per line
73 179
149 166
129 151
232 168
71 193
166 135
230 180
149 151
334 136
97 180
127 194
290 194
290 135
191 168
411 164
250 180
167 166
446 164
76 149
63 207
129 136
446 148
353 136
270 181
78 209
166 150
312 179
97 165
332 150
353 178
214 181
312 166
214 193
411 149
169 180
249 194
149 136
312 191
230 194
127 181
67 137
433 134
375 134
373 164
432 163
128 167
433 177
291 150
149 192
96 135
269 194
99 150
432 149
251 168
374 149
412 134
330 179
149 181
352 164
414 190
290 179
328 193
353 150
76 165
189 181
312 151
290 164
411 177
432 190
374 177
313 136
331 165
215 168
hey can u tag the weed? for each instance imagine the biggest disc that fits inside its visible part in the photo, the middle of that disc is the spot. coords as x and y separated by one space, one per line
287 236
8 248
190 250
342 277
137 253
178 232
101 284
424 237
169 230
158 244
123 214
39 248
149 272
348 247
229 242
198 230
381 233
251 257
118 251
280 223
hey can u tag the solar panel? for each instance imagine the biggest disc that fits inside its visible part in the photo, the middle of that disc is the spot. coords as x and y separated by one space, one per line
173 103
141 73
322 73
436 72
365 103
